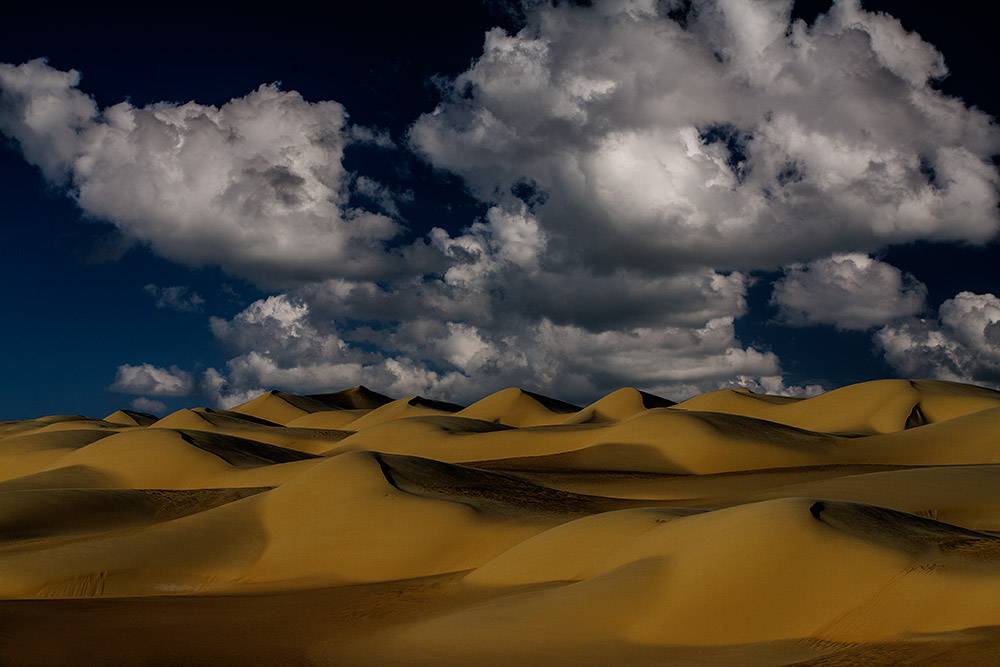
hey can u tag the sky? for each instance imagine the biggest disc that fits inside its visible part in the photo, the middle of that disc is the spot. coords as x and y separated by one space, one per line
202 204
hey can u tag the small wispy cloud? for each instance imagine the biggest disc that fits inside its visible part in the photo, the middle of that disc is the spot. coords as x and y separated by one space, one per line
153 380
178 297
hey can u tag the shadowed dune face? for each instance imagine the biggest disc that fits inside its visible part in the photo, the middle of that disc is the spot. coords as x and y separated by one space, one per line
351 528
34 514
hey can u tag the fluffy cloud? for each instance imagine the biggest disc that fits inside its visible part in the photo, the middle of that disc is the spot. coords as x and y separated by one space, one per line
175 298
962 344
280 343
849 291
280 346
637 161
501 268
255 186
734 138
153 380
216 389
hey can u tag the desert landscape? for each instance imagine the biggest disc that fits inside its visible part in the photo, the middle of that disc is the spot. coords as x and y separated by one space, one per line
500 333
860 526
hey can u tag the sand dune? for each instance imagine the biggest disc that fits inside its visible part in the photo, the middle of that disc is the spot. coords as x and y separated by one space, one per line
323 411
881 406
516 407
34 451
238 425
281 407
131 418
616 406
861 526
36 514
413 406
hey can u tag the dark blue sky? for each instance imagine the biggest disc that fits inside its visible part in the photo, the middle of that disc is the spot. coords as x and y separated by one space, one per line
78 309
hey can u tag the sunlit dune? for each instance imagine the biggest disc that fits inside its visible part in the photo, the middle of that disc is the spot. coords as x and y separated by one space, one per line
131 418
881 406
861 526
516 407
616 406
281 407
414 406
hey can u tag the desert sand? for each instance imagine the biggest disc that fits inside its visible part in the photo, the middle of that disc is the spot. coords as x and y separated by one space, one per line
861 526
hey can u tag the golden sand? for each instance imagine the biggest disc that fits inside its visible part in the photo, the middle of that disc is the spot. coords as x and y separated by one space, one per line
856 527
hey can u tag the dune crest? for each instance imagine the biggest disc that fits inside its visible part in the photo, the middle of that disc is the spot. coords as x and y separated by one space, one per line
351 528
879 406
131 418
621 404
517 407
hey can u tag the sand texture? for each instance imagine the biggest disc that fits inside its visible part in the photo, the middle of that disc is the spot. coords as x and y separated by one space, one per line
861 526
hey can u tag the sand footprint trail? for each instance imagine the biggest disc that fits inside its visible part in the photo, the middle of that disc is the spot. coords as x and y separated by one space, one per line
351 528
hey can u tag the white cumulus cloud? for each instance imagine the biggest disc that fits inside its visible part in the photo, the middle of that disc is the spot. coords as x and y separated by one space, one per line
280 342
962 344
739 140
634 170
849 291
255 186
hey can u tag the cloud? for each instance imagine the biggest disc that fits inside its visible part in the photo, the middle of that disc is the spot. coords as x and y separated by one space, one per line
219 392
279 345
255 186
636 162
153 380
41 108
738 140
279 327
849 291
502 268
175 298
962 344
143 404
775 385
281 342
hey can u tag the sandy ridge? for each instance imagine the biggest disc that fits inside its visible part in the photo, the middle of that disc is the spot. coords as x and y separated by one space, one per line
731 528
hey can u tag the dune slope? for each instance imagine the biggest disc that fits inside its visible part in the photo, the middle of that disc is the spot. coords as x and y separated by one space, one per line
861 526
